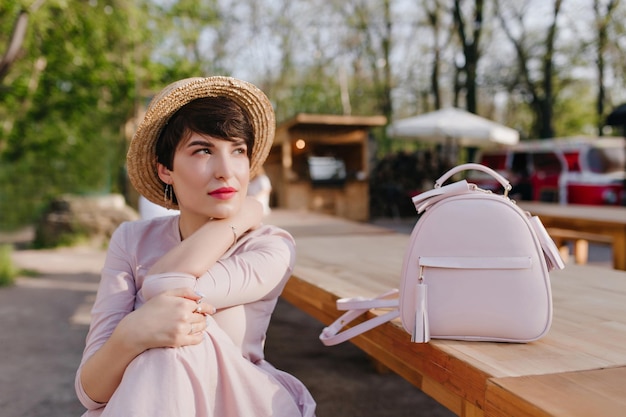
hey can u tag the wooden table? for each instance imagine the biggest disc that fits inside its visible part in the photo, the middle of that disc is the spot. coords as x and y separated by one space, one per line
581 358
605 220
598 392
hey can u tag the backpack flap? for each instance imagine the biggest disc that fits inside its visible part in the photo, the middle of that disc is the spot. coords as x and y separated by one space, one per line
424 200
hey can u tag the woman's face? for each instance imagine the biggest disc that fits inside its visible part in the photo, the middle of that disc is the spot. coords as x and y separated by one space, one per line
210 176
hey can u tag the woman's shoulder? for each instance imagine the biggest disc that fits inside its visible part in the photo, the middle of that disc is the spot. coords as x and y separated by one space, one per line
161 228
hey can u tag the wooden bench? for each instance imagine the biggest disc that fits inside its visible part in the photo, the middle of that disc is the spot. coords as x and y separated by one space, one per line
607 221
575 371
580 241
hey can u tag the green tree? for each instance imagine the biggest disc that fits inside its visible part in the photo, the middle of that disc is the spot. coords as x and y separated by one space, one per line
67 98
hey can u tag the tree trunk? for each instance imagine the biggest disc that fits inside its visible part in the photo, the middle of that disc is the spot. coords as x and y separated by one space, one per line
602 23
16 40
471 50
15 43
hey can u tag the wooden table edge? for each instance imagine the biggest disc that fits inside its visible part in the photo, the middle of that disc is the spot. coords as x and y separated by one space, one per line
438 372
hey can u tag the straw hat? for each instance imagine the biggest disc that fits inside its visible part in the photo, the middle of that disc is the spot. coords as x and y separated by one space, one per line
141 158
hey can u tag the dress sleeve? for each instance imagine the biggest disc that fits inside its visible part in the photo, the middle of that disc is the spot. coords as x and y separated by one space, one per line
115 299
257 269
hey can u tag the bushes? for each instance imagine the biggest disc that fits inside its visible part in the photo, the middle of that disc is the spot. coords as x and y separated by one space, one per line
8 272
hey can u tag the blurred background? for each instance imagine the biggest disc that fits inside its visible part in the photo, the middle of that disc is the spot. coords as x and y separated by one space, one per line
76 75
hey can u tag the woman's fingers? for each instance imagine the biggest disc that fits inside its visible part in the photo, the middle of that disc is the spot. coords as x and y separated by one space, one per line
204 308
200 307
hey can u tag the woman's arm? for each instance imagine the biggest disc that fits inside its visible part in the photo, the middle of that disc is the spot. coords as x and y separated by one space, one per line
258 269
118 333
200 251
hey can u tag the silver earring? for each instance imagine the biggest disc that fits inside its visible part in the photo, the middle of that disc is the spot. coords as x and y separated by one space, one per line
167 193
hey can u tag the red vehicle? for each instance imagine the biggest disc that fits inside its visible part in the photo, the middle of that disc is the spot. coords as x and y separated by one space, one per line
578 170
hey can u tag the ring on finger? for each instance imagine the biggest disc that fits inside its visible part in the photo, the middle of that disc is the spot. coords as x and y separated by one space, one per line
198 309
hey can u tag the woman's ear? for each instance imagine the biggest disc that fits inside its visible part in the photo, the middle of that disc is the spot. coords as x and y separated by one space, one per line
164 173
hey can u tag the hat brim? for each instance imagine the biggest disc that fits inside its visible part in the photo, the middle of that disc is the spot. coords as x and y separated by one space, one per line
141 157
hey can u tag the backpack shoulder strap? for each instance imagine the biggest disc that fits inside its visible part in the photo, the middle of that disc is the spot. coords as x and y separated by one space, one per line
332 335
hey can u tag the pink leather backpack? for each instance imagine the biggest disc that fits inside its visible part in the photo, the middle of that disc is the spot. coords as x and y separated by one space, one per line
476 268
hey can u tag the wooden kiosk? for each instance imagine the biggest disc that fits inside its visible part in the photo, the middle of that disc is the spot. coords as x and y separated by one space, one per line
320 163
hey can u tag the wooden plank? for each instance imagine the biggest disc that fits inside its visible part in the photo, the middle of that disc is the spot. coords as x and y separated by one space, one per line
600 392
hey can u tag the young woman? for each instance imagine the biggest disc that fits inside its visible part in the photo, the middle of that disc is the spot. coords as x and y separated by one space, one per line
179 322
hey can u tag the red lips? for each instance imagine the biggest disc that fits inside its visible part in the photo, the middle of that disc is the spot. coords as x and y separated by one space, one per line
223 193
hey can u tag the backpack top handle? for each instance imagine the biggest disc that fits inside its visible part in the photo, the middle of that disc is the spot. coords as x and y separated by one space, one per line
478 167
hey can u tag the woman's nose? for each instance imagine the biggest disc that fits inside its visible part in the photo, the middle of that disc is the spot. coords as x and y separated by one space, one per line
223 166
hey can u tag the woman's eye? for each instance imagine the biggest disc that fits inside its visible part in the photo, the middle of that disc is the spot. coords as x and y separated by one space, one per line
241 151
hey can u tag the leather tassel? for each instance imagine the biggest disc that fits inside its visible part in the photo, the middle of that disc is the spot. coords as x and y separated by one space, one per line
421 332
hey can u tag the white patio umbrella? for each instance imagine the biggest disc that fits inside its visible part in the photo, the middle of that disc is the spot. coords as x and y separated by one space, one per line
453 125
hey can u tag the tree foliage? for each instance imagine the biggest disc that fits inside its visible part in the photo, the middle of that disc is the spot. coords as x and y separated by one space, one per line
64 103
74 74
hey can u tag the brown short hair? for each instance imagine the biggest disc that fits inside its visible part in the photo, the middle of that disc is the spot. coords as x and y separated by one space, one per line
218 117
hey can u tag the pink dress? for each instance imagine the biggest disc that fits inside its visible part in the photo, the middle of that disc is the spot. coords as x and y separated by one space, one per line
224 376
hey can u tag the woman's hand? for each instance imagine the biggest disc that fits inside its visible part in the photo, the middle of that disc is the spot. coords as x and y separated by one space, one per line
173 318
